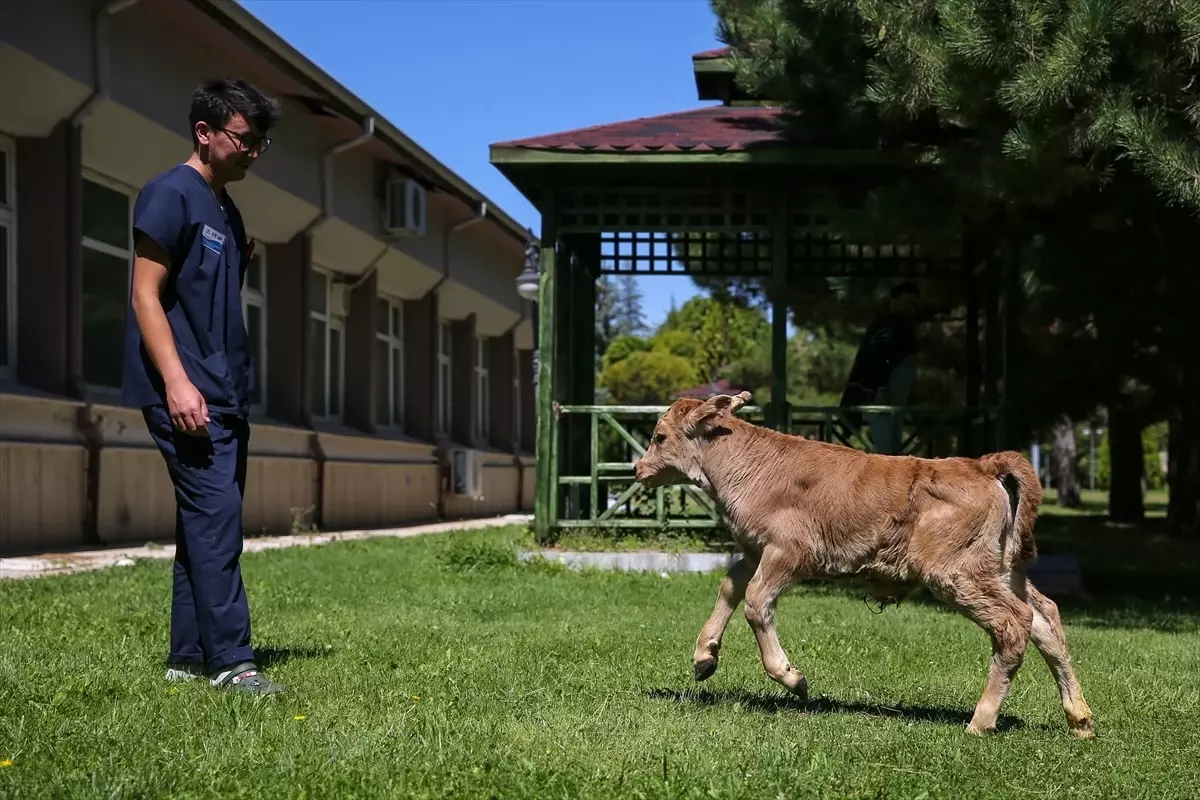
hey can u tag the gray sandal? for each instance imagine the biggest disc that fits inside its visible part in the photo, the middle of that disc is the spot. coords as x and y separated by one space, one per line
245 677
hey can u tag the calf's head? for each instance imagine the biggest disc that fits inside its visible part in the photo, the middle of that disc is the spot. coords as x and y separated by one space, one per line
677 445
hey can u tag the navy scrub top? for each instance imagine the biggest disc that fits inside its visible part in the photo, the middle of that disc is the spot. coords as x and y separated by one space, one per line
206 241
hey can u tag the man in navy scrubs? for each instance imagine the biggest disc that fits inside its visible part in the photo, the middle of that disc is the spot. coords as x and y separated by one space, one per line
187 367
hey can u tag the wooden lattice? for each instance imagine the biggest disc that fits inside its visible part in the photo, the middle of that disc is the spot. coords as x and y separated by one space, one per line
656 253
661 210
724 229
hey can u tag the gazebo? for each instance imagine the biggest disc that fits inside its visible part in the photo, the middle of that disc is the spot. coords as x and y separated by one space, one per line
724 190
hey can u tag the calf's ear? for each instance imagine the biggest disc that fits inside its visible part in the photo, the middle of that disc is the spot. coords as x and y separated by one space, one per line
712 410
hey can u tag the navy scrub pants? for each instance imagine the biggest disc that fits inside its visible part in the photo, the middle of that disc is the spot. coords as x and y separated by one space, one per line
210 617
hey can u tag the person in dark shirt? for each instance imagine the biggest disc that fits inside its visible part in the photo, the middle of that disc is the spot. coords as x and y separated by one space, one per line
188 367
884 367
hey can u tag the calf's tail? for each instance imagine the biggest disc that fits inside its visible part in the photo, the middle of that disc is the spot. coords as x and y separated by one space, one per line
1020 481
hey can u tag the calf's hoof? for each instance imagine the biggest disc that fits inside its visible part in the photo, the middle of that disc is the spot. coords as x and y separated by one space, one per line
705 669
799 688
1083 729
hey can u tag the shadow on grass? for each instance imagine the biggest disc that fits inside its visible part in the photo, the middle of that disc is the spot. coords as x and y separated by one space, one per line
764 703
267 657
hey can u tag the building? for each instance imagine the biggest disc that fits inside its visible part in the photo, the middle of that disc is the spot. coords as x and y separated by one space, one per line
394 354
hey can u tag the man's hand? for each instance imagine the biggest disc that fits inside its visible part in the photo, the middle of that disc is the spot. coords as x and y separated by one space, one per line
188 410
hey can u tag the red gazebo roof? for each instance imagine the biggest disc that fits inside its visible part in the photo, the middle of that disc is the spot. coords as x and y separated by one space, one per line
709 129
710 55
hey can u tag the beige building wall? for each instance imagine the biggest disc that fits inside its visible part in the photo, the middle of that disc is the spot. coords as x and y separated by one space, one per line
345 445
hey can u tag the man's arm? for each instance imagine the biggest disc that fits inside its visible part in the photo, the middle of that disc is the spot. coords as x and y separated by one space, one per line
186 405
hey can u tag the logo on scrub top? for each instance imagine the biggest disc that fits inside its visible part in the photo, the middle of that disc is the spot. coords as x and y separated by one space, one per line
212 239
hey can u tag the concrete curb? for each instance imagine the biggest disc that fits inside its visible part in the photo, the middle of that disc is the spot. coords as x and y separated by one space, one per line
86 560
644 561
1056 576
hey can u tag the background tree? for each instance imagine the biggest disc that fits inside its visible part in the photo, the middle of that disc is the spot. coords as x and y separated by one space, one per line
1030 111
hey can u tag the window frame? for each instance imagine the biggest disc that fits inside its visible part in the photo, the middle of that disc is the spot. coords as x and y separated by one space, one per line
445 388
8 220
258 299
394 339
111 250
483 389
332 322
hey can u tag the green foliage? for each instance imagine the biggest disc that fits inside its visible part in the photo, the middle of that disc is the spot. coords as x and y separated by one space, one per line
623 347
647 377
718 332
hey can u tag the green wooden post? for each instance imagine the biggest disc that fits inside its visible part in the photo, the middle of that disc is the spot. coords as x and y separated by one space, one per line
544 472
576 359
565 501
780 235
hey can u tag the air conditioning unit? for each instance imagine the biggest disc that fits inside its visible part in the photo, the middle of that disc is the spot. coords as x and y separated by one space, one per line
339 302
466 473
403 207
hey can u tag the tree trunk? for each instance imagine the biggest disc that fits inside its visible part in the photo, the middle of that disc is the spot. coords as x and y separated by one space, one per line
1125 499
1063 462
1183 469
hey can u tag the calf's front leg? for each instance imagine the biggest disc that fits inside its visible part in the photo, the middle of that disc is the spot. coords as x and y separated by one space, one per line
775 573
729 595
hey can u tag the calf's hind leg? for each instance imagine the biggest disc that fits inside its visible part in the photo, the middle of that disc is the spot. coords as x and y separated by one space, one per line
731 592
775 573
1051 642
1007 617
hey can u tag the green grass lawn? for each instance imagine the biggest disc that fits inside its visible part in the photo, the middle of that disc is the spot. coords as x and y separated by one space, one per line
439 667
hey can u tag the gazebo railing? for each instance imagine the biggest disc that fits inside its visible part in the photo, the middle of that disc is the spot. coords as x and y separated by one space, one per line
600 492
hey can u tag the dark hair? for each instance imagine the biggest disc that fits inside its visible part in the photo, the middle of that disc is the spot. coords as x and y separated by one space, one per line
217 101
908 287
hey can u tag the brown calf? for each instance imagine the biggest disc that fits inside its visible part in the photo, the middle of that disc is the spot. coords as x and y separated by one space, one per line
806 509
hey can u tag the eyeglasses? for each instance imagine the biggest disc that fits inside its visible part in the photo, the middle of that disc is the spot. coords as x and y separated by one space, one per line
252 144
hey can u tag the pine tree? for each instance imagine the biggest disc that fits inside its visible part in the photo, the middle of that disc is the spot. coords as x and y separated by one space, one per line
606 316
629 317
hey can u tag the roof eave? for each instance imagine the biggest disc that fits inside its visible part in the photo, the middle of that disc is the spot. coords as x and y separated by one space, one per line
239 19
528 156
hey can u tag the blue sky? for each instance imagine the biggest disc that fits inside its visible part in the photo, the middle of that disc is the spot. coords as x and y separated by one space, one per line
457 75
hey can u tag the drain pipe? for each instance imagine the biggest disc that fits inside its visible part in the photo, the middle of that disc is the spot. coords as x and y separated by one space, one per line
101 62
372 265
479 216
314 439
85 421
326 190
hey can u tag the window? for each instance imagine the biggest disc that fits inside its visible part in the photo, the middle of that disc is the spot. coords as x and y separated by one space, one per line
107 262
328 346
254 312
8 258
389 363
443 410
483 406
